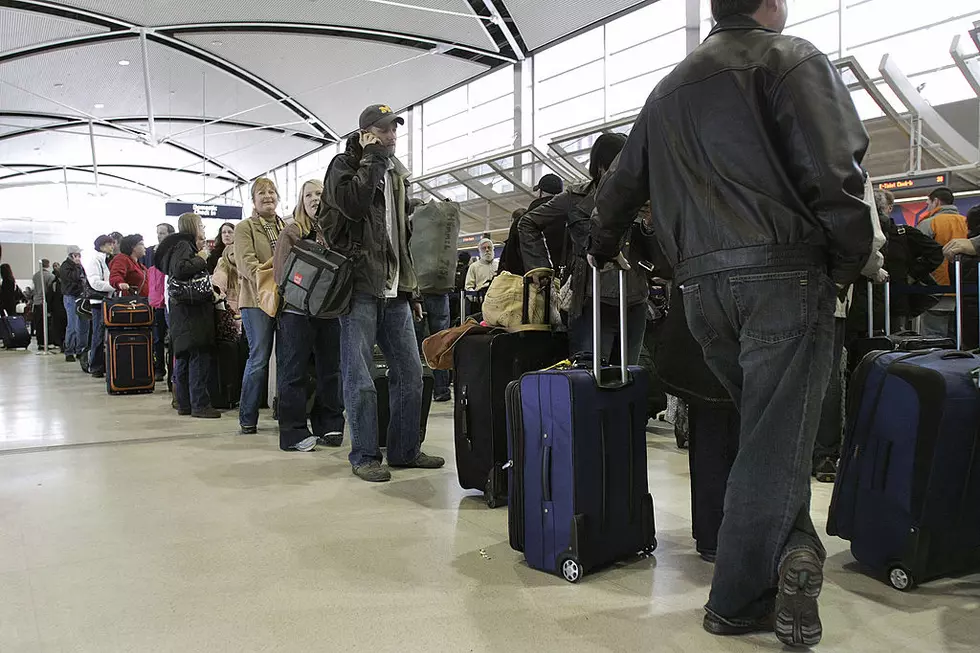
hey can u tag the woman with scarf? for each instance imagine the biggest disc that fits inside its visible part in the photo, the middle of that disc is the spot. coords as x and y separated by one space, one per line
255 244
300 338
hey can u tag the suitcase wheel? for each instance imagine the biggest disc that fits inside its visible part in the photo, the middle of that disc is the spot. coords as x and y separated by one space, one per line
490 496
653 547
570 568
901 578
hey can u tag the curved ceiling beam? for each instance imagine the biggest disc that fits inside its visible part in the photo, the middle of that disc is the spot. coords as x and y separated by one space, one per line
500 26
425 43
39 169
59 118
130 30
71 13
113 123
145 191
88 168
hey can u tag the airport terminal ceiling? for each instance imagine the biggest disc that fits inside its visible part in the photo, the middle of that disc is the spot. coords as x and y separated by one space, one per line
103 102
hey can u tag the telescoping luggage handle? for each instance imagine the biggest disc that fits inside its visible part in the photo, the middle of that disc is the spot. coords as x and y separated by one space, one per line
888 309
958 281
959 300
597 328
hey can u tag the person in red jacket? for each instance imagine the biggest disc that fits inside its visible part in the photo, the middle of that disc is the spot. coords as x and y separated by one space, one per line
125 271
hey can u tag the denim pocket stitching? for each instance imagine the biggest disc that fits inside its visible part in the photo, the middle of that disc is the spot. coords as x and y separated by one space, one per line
710 335
802 284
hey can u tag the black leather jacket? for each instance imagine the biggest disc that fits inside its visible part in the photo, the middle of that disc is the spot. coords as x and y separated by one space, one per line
750 151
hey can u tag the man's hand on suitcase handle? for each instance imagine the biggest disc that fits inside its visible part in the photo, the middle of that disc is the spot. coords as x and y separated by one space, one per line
540 278
959 246
618 263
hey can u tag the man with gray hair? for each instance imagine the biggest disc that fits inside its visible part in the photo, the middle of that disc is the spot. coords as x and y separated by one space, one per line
483 269
72 277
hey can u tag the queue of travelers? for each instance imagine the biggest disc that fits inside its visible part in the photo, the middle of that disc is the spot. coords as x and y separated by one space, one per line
766 260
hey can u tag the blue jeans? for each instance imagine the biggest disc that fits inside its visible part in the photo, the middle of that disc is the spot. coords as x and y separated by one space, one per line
96 359
580 331
191 376
73 342
389 323
259 329
830 434
299 338
159 338
436 309
769 332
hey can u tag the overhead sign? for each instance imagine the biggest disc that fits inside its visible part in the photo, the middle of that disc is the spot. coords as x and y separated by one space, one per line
915 182
472 240
218 211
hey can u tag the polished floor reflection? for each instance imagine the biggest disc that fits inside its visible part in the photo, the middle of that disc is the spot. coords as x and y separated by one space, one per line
126 528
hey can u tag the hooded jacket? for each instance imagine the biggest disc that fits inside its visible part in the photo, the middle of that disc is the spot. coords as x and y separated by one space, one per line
191 325
943 225
750 152
352 217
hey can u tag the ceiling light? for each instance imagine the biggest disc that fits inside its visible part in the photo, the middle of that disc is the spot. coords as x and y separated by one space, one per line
124 62
217 43
100 106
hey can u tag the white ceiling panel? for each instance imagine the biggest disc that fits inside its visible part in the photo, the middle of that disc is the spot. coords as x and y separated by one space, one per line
72 147
452 20
541 23
359 73
247 151
179 185
23 28
181 85
10 125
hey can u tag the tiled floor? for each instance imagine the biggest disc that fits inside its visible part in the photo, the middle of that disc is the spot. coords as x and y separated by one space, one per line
126 528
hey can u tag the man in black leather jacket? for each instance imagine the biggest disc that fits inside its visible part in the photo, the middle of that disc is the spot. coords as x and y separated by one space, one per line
751 151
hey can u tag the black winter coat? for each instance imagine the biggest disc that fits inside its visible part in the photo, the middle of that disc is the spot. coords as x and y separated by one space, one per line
72 278
572 209
353 209
750 152
910 258
191 325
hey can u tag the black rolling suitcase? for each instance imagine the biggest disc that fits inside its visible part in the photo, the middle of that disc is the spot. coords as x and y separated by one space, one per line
226 374
380 375
886 340
484 364
129 361
14 333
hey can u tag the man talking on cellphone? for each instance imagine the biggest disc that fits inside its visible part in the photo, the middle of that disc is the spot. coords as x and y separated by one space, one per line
365 209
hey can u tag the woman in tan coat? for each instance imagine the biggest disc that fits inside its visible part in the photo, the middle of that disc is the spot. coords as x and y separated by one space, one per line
255 243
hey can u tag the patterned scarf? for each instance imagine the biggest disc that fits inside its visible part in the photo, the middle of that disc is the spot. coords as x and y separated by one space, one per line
272 229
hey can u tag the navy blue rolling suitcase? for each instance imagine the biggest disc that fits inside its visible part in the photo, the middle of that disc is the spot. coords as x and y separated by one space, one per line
907 494
14 333
578 491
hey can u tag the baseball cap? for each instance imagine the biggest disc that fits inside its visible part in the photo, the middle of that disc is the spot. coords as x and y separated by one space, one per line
74 249
379 115
551 184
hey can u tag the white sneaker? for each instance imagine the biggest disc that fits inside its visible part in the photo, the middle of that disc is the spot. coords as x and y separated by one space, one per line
307 445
